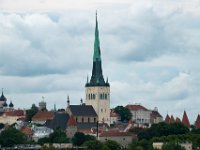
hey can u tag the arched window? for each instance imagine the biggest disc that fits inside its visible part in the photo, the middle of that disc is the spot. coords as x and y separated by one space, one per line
93 96
89 96
103 96
76 119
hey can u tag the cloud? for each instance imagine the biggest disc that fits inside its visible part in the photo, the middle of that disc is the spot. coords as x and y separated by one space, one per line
150 52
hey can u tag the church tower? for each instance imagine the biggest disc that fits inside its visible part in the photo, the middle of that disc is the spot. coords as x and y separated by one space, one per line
97 90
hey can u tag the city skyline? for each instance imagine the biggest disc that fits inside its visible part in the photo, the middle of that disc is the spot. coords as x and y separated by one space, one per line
150 53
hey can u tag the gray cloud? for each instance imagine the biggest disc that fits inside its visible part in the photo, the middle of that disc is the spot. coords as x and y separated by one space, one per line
150 56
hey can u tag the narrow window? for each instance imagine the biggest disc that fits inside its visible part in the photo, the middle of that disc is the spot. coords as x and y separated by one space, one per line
82 119
94 119
93 96
88 119
105 96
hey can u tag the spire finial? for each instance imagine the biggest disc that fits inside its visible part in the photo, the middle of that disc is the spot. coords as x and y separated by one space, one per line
2 91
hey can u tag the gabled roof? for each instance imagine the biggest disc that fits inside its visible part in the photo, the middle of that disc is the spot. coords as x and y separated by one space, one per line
167 119
185 120
42 116
136 107
14 113
82 110
197 122
60 120
114 133
155 114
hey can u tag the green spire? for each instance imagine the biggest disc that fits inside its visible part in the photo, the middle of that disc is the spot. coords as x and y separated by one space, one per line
97 53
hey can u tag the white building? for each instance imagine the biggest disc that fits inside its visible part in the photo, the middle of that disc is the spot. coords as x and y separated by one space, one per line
40 132
140 114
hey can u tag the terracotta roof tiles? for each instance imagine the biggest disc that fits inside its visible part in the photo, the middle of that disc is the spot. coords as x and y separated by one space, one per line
136 107
43 116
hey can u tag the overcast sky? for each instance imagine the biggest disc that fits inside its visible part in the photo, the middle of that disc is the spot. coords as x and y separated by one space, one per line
150 52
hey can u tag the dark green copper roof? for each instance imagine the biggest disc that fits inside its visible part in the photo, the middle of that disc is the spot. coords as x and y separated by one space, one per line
97 52
97 75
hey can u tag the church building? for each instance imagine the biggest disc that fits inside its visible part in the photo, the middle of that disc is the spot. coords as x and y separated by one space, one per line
97 90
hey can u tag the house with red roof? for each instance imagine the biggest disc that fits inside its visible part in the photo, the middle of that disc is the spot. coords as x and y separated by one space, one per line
71 127
11 116
140 114
41 117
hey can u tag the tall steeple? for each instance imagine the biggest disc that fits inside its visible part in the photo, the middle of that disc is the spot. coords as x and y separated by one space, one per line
97 75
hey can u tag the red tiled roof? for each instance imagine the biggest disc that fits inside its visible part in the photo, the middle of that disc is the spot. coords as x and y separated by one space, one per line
185 120
71 121
113 133
136 107
27 131
178 120
14 113
43 116
197 122
172 120
167 119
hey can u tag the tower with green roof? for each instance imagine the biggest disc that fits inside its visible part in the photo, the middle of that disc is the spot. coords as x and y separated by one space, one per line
96 89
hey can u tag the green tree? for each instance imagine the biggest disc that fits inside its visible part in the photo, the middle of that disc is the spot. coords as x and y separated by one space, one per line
58 136
94 145
124 113
172 146
163 129
31 112
11 136
112 145
78 139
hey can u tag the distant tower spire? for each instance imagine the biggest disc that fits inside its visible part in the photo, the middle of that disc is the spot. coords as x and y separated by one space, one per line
68 101
97 75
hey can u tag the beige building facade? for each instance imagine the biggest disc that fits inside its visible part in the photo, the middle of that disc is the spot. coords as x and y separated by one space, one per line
99 98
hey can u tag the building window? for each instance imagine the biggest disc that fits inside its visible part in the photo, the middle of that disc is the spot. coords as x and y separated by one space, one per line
88 119
94 119
101 96
105 96
105 110
93 96
124 139
76 119
101 110
82 119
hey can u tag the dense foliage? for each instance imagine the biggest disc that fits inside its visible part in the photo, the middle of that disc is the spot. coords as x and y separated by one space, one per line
124 113
58 136
10 136
163 129
79 138
31 112
97 145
